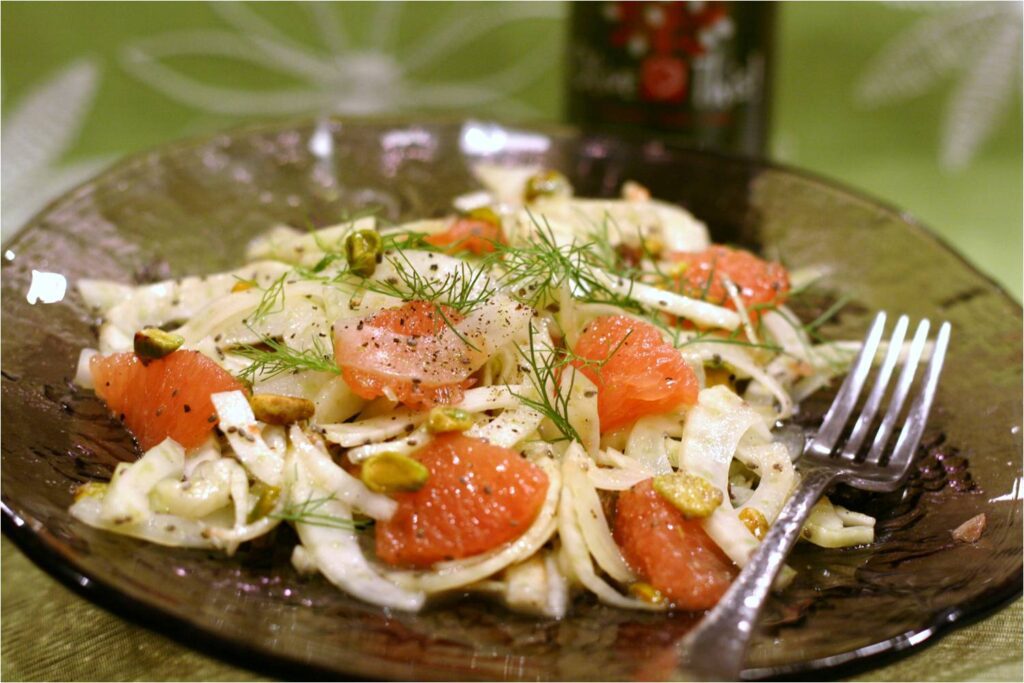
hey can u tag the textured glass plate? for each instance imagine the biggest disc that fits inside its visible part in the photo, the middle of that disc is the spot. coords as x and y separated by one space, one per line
191 207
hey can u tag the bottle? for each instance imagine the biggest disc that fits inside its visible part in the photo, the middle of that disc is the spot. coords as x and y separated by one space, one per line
694 72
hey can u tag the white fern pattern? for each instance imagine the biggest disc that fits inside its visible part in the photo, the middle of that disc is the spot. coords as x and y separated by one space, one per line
341 75
978 43
36 135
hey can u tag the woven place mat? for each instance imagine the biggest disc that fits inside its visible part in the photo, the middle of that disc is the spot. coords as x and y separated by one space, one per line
49 633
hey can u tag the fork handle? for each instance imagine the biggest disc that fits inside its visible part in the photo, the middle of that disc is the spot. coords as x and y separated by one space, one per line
716 649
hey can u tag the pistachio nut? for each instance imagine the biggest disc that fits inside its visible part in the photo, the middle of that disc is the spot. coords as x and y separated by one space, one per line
547 184
152 343
363 249
393 473
266 501
692 495
448 419
281 410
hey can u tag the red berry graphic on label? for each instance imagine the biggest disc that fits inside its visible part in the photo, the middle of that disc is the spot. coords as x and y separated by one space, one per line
663 78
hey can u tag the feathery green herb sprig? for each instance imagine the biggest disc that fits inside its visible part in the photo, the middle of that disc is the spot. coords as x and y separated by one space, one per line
306 513
278 358
534 271
272 300
461 290
397 240
544 369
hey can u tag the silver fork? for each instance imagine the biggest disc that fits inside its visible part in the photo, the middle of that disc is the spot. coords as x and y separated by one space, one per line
716 648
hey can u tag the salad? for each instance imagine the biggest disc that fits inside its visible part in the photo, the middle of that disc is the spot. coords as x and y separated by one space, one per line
534 397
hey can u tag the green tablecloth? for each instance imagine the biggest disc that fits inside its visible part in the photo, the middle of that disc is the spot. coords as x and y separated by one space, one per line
49 633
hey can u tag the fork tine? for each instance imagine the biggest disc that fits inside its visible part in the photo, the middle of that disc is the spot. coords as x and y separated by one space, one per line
910 436
899 394
867 414
846 399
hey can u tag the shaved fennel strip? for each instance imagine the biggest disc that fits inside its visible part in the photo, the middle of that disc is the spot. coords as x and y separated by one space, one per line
297 315
390 425
336 551
246 437
509 428
615 479
578 218
778 479
239 534
613 458
700 312
712 434
833 526
741 309
127 497
535 585
786 333
205 452
742 362
329 476
403 446
171 300
207 490
647 443
581 409
370 430
158 528
83 372
102 295
306 248
575 550
590 514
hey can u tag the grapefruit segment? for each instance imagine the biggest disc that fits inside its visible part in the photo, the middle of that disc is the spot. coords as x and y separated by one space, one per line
639 373
161 398
419 323
761 284
477 497
475 235
672 553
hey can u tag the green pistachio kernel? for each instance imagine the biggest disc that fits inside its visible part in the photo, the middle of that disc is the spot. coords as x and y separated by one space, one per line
281 410
393 473
485 214
547 184
152 343
266 501
448 419
755 522
363 251
694 496
647 593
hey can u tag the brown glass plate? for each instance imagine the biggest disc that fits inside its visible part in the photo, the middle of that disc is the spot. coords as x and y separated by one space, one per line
190 208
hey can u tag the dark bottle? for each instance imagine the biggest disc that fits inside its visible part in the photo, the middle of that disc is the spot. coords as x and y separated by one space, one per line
696 72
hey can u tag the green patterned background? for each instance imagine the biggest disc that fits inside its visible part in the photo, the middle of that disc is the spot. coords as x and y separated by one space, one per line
916 103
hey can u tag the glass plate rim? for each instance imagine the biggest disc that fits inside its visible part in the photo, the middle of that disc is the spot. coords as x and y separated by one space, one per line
25 532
